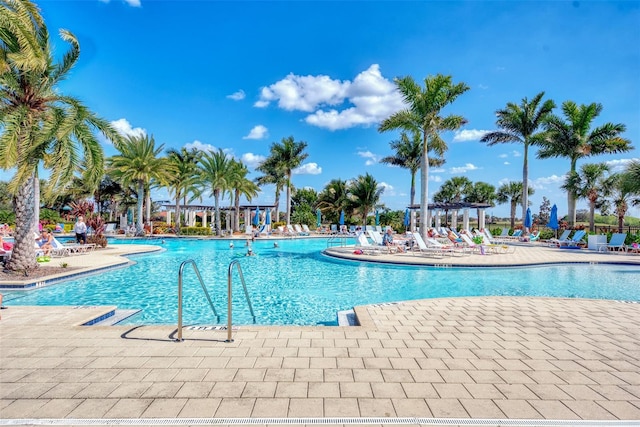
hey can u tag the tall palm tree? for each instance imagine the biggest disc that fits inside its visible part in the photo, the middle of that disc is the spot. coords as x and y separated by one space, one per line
216 172
333 199
633 169
422 115
622 187
520 124
187 175
588 183
453 190
241 186
573 138
272 175
138 164
364 195
481 192
287 156
39 125
511 192
408 155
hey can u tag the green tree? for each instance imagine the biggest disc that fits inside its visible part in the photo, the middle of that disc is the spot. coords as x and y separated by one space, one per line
240 186
511 193
422 115
333 199
364 195
588 184
520 124
633 169
545 211
621 187
408 155
272 174
138 164
573 138
39 125
481 192
216 172
185 177
453 190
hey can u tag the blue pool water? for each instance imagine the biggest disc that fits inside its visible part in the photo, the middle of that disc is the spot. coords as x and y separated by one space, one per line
295 284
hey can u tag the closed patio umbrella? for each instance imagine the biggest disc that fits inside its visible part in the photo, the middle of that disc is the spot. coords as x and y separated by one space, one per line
377 217
341 218
407 218
267 218
256 218
553 220
527 219
318 218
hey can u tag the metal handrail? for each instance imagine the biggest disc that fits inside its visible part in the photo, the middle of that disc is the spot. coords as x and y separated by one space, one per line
340 239
229 296
204 288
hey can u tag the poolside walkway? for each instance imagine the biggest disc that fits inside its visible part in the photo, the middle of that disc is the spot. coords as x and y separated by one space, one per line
445 361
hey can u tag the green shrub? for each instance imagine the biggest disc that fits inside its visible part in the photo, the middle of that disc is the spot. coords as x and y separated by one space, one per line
7 217
195 231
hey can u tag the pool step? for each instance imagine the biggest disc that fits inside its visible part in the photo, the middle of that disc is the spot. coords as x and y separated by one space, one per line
118 316
347 318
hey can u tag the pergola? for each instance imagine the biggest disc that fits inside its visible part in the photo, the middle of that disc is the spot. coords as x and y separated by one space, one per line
204 211
435 211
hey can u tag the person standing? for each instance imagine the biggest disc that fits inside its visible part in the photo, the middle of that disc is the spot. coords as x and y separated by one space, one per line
80 228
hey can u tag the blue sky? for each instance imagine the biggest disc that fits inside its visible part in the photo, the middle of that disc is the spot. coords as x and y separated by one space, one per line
241 75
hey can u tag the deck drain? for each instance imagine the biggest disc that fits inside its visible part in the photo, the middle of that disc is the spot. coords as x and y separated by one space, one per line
334 421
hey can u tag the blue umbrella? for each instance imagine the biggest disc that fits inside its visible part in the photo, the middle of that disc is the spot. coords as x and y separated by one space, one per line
407 218
318 218
256 218
377 217
527 219
341 218
553 219
267 218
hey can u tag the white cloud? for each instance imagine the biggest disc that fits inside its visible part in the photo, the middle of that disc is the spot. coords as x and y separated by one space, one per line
483 87
469 135
618 165
503 181
516 153
252 160
124 128
308 169
200 146
503 156
372 159
132 3
371 97
463 169
388 189
506 163
436 170
237 96
258 132
542 182
435 178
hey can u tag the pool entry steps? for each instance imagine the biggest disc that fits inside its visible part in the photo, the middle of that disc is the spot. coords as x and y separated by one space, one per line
206 292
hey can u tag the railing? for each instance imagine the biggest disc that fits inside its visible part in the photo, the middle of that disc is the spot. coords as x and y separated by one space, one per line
337 240
229 294
204 288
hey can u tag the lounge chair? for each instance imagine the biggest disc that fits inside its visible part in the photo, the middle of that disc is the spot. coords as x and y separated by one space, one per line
616 243
563 238
377 240
367 248
575 241
334 229
306 229
299 230
430 249
110 228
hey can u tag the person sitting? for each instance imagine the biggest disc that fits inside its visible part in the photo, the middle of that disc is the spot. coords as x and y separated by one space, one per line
387 240
46 241
5 246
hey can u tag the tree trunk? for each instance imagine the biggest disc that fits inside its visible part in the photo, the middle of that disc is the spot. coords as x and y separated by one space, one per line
513 213
525 182
236 205
277 203
177 219
289 198
571 197
412 200
424 186
139 224
622 211
216 196
592 214
36 203
147 200
23 257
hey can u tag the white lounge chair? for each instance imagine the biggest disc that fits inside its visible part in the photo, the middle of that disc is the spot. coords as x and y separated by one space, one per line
367 248
299 230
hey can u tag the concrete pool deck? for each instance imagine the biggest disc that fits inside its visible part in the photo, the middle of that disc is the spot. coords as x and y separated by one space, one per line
439 361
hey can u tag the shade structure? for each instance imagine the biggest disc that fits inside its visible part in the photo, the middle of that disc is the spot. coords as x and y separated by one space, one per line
256 217
318 218
341 218
553 219
527 219
407 217
267 218
377 217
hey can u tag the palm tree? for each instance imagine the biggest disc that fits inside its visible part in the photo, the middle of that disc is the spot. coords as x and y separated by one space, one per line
422 115
633 169
216 172
138 164
39 125
272 175
575 140
512 192
287 156
333 199
241 186
453 190
481 192
364 195
408 155
588 184
520 124
186 176
622 187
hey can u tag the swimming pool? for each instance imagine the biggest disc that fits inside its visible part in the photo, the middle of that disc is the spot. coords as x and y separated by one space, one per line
294 284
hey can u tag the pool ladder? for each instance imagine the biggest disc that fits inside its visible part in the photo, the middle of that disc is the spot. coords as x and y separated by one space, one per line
206 292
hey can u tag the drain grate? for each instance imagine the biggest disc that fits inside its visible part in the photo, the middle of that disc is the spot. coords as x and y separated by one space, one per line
334 421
